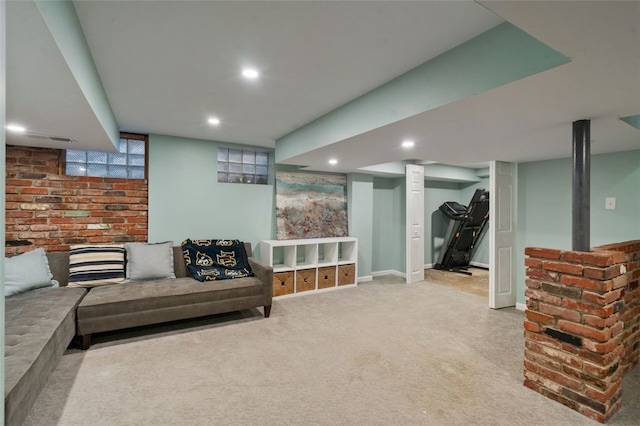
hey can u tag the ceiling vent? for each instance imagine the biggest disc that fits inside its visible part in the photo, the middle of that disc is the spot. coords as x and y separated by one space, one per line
50 138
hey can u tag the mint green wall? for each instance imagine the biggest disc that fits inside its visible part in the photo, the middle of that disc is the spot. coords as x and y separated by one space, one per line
389 221
632 120
615 175
435 222
496 57
388 225
360 202
63 23
544 204
446 173
186 200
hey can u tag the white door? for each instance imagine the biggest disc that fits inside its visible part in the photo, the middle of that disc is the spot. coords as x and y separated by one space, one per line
502 287
415 223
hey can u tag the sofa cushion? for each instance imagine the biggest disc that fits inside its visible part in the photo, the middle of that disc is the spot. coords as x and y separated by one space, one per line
27 271
157 294
147 261
96 265
150 302
39 325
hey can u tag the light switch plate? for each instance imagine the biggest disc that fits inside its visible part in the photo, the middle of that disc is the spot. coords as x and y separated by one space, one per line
610 203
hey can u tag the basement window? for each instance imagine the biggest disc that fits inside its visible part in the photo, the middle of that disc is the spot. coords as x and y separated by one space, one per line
243 166
128 162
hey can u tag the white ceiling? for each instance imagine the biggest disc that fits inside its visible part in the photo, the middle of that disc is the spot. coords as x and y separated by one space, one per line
167 66
42 93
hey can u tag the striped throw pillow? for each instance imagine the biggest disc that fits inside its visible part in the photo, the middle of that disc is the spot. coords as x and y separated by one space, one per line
96 265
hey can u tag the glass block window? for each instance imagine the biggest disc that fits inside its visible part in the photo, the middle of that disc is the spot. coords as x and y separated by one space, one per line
243 166
128 162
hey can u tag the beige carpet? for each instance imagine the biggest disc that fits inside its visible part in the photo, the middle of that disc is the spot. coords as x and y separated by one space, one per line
477 283
382 353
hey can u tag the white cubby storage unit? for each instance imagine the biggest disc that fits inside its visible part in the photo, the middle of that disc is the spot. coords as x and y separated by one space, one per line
311 265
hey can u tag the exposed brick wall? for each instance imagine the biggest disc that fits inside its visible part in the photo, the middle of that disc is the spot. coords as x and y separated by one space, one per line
47 209
581 326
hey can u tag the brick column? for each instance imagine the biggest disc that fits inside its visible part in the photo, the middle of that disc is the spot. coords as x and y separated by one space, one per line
574 328
630 315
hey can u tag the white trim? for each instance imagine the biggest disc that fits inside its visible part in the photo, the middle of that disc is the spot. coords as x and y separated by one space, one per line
428 266
414 221
502 242
365 279
388 272
521 306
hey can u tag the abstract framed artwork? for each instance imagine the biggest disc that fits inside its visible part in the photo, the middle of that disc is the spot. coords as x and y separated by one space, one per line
311 205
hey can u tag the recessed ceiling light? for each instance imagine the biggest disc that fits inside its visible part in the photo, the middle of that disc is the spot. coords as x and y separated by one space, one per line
408 144
333 161
16 128
214 121
250 73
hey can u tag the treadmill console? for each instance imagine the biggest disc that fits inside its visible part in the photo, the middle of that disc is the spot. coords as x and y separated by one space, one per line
452 209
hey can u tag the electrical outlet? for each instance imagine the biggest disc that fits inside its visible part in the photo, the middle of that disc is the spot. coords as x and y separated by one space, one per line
610 203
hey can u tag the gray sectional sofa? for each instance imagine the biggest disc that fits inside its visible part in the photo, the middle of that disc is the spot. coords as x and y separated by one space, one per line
40 324
114 307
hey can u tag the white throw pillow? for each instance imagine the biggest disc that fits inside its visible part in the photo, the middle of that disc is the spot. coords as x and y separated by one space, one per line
27 271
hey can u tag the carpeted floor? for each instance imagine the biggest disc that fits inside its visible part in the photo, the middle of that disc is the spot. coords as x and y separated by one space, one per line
381 353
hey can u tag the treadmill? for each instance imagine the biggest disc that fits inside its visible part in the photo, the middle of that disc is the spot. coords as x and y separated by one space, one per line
466 225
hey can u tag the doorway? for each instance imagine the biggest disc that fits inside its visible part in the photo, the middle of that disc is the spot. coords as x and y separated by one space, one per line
494 252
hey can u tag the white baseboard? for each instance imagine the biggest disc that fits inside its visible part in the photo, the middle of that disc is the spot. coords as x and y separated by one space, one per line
429 266
388 272
365 278
521 306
